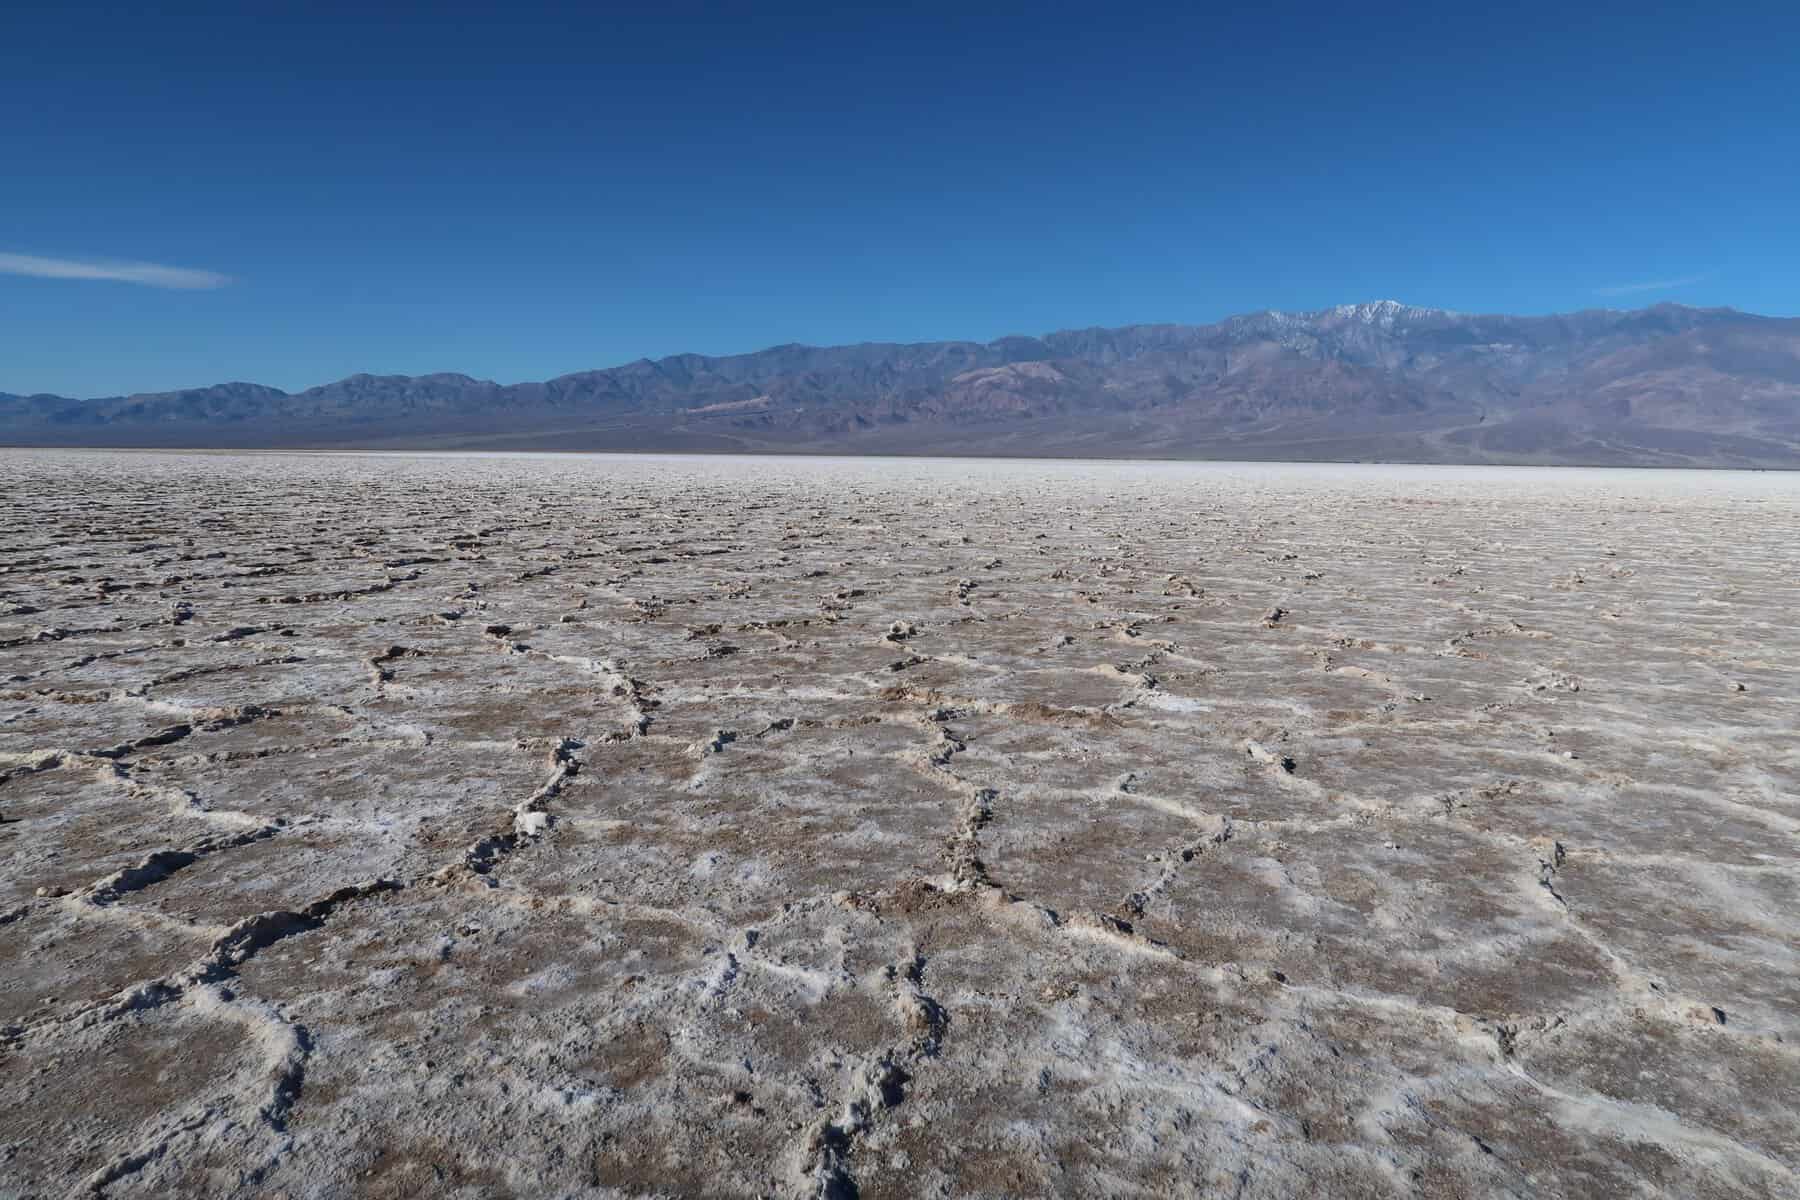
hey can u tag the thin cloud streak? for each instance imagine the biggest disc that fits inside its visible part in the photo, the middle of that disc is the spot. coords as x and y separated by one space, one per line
1655 285
147 274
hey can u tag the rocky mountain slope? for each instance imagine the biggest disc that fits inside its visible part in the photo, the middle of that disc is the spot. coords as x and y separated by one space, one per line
1662 386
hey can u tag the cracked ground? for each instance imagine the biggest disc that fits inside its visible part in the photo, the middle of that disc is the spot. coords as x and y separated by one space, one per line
538 826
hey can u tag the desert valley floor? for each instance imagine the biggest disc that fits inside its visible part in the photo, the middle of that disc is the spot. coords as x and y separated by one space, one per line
484 826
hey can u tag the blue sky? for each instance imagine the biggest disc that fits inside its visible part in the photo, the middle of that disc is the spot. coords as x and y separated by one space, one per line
517 192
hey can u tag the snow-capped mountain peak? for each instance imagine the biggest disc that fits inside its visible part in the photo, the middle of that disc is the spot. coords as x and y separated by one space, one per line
1383 313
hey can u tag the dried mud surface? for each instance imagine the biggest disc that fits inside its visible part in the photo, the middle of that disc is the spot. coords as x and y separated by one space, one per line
507 826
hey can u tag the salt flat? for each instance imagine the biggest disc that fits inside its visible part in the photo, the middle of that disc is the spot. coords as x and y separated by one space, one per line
536 825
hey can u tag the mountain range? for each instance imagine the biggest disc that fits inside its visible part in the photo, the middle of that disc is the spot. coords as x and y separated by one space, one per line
1667 386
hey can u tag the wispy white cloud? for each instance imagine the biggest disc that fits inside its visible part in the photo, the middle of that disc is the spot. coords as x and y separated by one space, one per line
148 274
1654 285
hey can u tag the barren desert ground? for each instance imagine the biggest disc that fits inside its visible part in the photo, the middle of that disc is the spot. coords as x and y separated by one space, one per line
484 826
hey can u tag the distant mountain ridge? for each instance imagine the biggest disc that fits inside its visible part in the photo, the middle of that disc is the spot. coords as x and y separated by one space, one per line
1667 385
